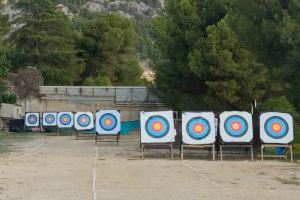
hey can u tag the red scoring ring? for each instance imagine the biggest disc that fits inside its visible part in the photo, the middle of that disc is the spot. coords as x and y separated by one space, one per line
157 126
108 121
198 128
236 125
276 127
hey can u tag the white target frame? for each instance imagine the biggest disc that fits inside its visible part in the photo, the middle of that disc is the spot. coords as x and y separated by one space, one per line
169 137
114 130
267 139
36 124
62 125
89 126
45 123
246 137
210 137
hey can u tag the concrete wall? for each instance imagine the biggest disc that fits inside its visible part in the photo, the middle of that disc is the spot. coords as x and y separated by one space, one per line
11 111
129 100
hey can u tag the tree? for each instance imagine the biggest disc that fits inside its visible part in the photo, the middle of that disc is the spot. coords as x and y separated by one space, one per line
4 47
45 40
108 45
202 65
270 29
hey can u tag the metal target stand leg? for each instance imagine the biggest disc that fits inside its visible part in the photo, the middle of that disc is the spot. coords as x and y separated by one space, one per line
142 151
214 155
171 151
181 152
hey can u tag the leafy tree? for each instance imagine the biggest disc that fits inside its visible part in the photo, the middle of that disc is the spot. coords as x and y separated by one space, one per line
202 65
45 40
108 46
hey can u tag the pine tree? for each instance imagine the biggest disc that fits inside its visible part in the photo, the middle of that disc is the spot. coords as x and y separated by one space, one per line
45 40
202 65
108 45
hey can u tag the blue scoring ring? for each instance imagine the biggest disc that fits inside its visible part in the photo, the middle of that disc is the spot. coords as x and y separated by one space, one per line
163 123
243 124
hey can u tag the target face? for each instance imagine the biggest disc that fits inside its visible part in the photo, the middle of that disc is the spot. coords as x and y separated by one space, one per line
236 126
49 119
32 119
198 128
84 121
65 119
276 128
108 122
157 127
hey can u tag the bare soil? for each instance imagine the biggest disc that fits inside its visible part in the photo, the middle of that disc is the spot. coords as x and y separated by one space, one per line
60 167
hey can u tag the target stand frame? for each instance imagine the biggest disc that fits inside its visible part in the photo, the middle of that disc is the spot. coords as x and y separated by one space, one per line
98 138
289 148
83 136
247 146
210 147
169 144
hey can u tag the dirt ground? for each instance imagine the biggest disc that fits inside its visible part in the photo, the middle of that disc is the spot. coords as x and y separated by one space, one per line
60 167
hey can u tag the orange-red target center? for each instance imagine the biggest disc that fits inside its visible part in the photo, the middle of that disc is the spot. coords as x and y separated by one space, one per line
236 126
276 127
65 119
108 122
198 128
83 120
157 126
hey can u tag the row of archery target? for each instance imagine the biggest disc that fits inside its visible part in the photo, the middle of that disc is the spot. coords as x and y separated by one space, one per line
201 127
106 121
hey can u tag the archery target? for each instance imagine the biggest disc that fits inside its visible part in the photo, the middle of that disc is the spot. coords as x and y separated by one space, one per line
198 128
32 119
157 127
108 122
49 119
84 121
236 126
276 128
65 119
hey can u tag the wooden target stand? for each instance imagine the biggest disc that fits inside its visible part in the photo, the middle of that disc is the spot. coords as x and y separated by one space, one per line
289 148
100 140
210 147
168 144
237 145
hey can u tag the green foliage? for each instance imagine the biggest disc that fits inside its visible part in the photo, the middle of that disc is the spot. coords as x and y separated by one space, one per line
270 29
45 40
107 45
98 81
4 46
202 65
9 98
277 104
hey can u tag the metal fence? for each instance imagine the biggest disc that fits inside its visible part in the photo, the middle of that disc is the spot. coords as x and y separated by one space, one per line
116 94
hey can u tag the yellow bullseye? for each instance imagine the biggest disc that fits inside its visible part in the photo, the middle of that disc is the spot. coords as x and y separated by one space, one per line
276 127
107 122
236 126
198 128
157 126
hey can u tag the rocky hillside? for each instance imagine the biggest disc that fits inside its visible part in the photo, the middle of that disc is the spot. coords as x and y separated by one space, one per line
129 8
